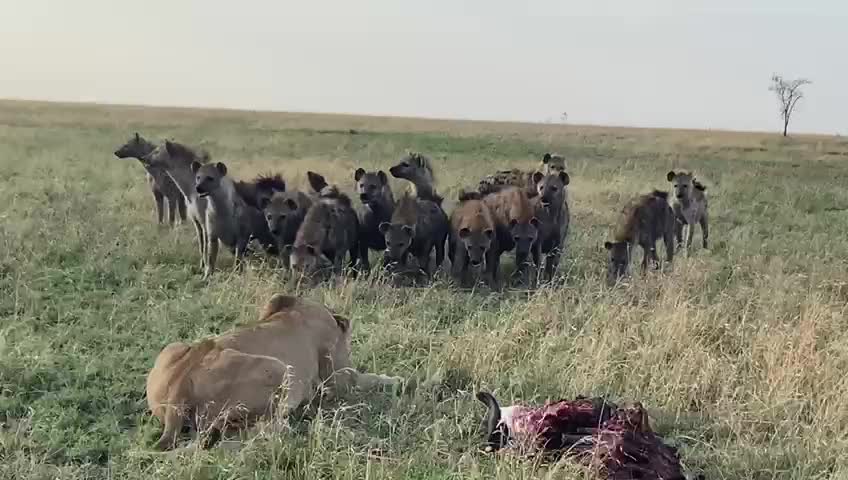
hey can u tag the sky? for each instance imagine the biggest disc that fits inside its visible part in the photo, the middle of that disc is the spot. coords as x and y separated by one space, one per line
648 63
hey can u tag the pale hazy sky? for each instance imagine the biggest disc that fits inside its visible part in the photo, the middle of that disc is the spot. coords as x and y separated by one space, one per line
668 63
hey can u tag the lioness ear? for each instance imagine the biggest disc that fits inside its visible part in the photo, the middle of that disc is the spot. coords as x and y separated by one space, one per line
608 245
464 232
382 176
384 227
195 166
546 158
222 169
564 177
537 177
670 175
359 173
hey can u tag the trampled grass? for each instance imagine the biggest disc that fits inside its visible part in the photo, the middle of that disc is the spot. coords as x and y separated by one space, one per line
740 353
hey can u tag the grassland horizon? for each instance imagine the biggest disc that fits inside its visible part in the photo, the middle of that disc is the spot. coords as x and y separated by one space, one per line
739 352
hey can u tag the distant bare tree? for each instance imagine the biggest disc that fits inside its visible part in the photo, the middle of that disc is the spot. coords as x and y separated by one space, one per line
788 93
563 117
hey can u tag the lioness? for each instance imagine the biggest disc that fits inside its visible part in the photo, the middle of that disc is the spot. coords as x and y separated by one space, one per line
294 346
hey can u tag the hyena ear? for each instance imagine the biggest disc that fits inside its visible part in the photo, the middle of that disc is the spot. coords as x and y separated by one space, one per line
565 178
359 173
137 137
310 249
222 169
287 249
670 176
546 158
608 245
408 229
384 227
513 222
464 232
316 181
195 166
264 202
291 203
489 233
535 222
538 176
383 178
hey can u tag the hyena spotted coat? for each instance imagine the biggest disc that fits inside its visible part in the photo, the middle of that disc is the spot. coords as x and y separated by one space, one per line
645 220
690 207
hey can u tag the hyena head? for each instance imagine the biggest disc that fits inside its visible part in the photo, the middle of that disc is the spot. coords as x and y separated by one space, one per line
282 213
207 178
683 184
552 164
477 244
398 239
372 187
308 259
551 188
136 147
413 167
619 260
524 235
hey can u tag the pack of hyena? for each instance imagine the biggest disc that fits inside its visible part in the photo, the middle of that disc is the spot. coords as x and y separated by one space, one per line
313 232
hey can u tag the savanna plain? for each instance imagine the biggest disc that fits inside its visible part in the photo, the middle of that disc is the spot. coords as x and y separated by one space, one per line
739 352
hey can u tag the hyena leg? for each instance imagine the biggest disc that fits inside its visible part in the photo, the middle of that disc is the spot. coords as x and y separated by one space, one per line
241 253
690 235
678 232
460 258
668 238
363 257
654 257
181 206
705 229
440 253
552 263
172 211
201 243
159 199
211 255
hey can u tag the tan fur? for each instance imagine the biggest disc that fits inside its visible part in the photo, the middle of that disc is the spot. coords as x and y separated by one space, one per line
644 220
162 187
551 164
294 346
329 230
516 225
473 241
418 169
176 159
690 207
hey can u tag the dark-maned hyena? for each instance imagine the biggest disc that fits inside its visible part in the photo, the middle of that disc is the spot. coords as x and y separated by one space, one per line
284 213
417 227
644 221
418 169
551 209
551 164
329 230
473 241
229 219
516 226
379 203
690 207
161 185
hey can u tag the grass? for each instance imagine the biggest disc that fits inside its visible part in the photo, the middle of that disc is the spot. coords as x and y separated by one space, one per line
740 353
